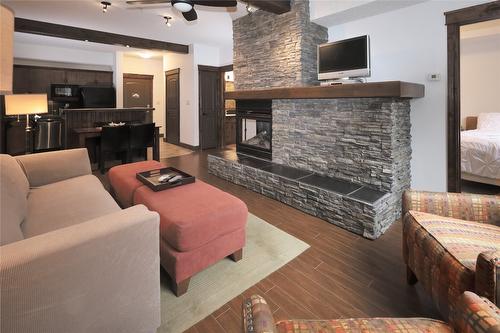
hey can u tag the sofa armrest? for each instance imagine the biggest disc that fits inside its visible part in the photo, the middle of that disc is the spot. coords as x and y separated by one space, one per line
488 275
102 275
465 206
475 314
257 316
46 168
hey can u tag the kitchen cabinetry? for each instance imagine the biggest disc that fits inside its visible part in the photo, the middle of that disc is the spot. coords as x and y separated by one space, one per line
34 79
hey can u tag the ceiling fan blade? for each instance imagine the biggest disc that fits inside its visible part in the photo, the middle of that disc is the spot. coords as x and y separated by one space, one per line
216 3
146 2
191 15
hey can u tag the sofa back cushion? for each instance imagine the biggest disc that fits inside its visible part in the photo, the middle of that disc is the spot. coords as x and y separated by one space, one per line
14 189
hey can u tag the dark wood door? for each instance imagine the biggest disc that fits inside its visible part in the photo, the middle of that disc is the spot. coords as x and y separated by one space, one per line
137 90
210 91
172 106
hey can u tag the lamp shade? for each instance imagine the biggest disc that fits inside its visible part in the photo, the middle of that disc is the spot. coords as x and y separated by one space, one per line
6 49
25 104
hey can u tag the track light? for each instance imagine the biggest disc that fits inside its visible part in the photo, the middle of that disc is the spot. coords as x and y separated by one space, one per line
251 9
105 5
167 21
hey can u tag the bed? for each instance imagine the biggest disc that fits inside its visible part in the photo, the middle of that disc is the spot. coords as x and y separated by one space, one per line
480 149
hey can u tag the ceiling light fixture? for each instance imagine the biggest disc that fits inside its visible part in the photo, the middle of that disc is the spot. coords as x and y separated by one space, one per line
167 21
105 5
183 6
251 9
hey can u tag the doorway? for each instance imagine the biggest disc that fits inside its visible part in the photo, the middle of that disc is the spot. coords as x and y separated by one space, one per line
210 105
137 90
172 105
458 22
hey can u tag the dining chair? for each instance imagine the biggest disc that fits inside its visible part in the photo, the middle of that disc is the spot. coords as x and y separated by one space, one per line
114 140
141 137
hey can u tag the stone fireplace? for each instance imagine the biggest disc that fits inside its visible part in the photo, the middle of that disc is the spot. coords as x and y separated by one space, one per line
340 153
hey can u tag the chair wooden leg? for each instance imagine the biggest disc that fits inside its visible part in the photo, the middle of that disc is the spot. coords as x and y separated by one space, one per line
411 278
236 256
180 288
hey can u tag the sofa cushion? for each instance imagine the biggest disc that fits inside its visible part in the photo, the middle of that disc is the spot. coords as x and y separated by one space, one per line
66 203
399 325
195 214
464 240
14 189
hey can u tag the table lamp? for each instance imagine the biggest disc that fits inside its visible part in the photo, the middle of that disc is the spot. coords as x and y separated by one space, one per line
26 104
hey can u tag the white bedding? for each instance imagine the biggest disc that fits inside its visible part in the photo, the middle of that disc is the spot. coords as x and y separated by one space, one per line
481 153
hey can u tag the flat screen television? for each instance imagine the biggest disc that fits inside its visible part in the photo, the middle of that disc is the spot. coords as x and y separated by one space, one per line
347 58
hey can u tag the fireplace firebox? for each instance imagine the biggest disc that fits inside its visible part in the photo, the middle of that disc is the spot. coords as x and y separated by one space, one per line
254 127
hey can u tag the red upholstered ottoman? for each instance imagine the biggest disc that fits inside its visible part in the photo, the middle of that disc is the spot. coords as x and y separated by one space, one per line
124 183
199 225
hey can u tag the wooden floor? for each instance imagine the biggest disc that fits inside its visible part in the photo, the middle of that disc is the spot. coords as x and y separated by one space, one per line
341 275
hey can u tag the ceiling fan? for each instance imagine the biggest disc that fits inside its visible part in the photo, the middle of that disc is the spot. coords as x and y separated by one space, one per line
186 7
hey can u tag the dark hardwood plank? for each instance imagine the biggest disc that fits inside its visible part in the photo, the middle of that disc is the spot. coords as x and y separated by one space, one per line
272 6
372 89
69 32
474 14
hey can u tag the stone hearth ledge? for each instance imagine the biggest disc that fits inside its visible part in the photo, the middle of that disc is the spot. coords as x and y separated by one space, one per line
354 207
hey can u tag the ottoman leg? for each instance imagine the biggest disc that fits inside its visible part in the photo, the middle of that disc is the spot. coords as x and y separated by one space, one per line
236 256
180 288
411 278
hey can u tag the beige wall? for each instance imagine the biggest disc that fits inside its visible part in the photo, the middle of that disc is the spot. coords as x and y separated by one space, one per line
136 65
479 69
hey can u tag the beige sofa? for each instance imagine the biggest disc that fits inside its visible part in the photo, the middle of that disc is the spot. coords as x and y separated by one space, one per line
70 259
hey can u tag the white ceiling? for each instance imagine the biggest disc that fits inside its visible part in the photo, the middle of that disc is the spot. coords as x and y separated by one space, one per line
213 27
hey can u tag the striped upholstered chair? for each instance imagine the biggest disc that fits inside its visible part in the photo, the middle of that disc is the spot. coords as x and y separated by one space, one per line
473 315
451 244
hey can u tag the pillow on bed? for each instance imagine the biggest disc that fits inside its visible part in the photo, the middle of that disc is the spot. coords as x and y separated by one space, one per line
488 121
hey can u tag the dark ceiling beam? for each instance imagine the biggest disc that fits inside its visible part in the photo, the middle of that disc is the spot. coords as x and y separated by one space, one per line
272 6
68 32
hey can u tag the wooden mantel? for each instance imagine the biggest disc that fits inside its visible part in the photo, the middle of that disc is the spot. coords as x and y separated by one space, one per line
398 89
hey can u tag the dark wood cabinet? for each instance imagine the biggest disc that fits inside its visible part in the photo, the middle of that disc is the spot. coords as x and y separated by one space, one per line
34 79
229 130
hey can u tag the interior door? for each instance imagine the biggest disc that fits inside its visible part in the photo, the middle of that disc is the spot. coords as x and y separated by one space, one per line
137 90
210 91
172 106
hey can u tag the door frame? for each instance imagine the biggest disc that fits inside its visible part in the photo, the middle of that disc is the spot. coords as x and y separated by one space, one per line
139 76
220 110
167 73
454 20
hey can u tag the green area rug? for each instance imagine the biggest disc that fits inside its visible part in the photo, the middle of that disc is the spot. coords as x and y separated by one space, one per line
267 249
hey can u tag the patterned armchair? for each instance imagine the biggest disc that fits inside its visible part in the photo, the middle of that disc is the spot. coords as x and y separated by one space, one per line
451 244
474 315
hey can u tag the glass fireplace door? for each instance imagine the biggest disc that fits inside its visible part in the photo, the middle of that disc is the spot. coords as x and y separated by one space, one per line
255 133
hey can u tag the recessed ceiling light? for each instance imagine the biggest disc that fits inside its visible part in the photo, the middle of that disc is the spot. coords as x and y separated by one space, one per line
145 55
105 5
167 21
127 45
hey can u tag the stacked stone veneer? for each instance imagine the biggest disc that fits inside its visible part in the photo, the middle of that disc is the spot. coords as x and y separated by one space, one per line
276 50
363 140
369 219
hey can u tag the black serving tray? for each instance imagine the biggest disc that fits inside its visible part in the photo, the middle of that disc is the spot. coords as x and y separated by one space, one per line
150 178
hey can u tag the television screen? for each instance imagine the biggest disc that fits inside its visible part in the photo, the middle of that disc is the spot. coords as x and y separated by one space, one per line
343 56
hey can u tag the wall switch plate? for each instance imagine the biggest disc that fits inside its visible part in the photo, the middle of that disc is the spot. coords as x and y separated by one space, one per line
434 77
